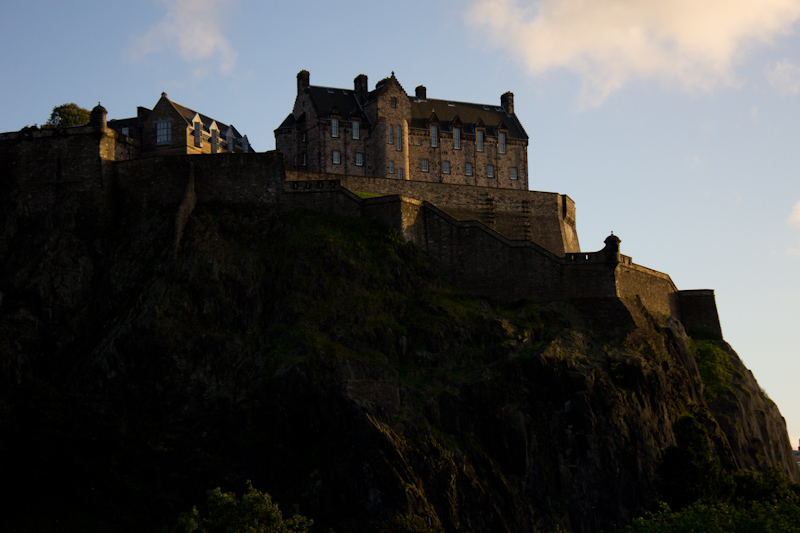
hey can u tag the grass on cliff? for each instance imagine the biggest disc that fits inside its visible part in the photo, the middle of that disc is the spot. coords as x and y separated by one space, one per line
716 368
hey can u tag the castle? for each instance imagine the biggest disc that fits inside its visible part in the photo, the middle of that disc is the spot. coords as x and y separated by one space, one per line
487 235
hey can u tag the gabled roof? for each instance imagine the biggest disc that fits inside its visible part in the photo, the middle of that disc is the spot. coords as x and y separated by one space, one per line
326 99
189 114
469 114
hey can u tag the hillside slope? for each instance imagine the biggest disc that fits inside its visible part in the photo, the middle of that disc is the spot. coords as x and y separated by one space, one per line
325 360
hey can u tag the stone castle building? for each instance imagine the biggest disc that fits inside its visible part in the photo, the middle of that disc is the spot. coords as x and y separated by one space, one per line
172 129
386 133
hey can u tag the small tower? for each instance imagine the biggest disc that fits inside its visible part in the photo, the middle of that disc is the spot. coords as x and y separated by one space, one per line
611 250
303 80
97 119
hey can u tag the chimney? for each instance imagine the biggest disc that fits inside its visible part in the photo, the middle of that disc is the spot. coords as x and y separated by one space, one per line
507 101
303 78
422 93
360 86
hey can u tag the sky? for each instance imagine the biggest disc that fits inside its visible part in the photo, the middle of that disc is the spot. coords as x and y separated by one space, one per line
673 123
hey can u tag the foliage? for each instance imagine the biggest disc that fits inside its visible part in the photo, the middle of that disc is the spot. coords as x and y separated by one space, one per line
715 367
254 512
66 115
758 516
689 471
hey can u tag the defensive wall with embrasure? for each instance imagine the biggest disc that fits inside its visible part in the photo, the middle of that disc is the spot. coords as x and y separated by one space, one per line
503 244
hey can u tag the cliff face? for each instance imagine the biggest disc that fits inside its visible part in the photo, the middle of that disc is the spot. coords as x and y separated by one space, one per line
323 359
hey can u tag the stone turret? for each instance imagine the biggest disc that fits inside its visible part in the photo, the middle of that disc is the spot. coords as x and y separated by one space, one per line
97 119
611 250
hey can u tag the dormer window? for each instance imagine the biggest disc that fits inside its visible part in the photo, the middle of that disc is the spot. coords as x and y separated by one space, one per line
198 134
434 135
356 130
457 138
334 127
214 141
502 142
479 140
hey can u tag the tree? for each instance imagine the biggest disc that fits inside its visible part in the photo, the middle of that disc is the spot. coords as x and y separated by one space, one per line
254 512
66 115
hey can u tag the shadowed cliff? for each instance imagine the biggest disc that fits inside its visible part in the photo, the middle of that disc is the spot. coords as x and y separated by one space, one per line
325 360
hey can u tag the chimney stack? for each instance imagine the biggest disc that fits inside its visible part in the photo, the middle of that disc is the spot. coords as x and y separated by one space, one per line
361 88
303 78
507 102
422 93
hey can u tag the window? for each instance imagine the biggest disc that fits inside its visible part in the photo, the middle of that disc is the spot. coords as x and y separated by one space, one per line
230 141
397 138
214 141
163 132
419 141
334 127
399 173
303 159
502 142
457 138
303 137
490 171
125 130
513 173
391 167
468 169
337 157
394 102
390 130
424 165
446 167
356 130
479 140
359 159
198 134
434 136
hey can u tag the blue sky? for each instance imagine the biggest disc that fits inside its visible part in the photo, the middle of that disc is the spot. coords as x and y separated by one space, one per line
676 124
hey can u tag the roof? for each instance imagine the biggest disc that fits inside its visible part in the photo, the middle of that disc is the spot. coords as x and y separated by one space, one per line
328 99
189 114
469 115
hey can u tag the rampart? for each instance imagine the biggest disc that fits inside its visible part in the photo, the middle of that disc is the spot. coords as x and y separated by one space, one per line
483 240
542 217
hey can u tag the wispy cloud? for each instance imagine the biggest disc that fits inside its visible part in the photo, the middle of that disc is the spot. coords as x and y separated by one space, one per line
193 29
785 77
609 43
794 216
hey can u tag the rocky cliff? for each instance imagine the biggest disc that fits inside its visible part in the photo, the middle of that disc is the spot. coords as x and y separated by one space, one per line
325 360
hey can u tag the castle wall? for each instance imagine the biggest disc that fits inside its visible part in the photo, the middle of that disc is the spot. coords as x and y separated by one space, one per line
545 218
698 310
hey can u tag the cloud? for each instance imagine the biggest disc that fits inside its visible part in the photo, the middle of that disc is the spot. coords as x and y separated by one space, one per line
192 28
794 217
785 77
609 43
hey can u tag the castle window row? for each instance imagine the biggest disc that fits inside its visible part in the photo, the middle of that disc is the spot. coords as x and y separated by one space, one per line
336 158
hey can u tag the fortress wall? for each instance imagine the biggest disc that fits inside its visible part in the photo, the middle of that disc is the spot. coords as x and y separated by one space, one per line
699 315
655 289
546 218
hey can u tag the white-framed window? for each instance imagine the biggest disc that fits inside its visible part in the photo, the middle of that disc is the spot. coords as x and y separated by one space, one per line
468 169
356 129
424 165
390 133
513 173
163 132
456 138
479 140
446 167
434 136
490 171
334 127
198 134
398 139
399 173
502 142
337 157
359 159
391 167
